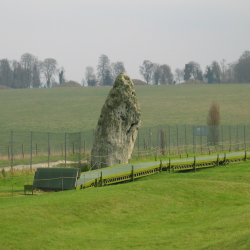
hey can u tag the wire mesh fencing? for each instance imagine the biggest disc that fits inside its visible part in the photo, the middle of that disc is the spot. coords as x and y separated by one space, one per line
39 149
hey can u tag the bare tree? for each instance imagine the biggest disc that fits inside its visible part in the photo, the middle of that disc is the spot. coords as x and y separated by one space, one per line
102 67
166 75
49 69
90 76
36 82
216 72
117 68
27 61
146 70
193 69
179 75
156 73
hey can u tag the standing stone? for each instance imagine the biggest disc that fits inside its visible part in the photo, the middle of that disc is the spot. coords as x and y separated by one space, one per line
117 126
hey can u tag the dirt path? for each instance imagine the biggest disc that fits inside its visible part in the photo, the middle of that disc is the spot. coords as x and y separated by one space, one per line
39 165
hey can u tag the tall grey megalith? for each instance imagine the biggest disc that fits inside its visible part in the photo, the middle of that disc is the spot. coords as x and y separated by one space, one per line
117 126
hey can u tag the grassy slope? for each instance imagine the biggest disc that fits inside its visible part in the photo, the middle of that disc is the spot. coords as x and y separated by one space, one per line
78 109
208 209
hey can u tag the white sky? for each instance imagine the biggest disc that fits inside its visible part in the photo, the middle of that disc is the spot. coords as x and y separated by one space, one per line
77 32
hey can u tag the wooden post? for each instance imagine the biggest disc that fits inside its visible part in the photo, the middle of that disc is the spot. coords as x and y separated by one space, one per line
218 160
245 137
194 163
245 155
169 165
225 158
132 173
101 179
230 138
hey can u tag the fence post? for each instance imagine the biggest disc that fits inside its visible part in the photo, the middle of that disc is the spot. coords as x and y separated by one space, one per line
193 140
150 142
132 173
237 138
65 148
230 138
177 130
48 149
169 165
222 138
169 142
101 179
186 137
245 155
218 160
194 163
201 139
31 146
245 137
225 158
138 143
80 148
11 149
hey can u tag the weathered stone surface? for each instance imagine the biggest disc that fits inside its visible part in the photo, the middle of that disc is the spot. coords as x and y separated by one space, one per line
117 126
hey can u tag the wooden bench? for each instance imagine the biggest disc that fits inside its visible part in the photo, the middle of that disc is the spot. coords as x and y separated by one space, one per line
28 188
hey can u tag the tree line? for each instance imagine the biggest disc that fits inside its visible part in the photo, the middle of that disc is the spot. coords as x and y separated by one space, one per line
156 74
29 72
223 72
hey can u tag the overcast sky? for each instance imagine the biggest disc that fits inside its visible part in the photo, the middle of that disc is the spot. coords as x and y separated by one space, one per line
77 32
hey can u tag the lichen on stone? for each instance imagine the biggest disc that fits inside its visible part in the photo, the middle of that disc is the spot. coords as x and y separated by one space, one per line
117 126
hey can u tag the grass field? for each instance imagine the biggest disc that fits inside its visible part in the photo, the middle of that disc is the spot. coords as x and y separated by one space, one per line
78 109
208 209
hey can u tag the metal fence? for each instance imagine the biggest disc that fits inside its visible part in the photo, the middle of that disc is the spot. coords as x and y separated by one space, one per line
38 149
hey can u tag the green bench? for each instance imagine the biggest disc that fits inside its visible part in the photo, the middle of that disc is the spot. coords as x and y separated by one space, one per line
28 188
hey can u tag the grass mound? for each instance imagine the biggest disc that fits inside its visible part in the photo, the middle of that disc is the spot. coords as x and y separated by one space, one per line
69 84
208 209
193 81
138 82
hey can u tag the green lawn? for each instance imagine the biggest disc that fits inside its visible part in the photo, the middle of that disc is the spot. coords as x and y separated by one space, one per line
78 109
208 209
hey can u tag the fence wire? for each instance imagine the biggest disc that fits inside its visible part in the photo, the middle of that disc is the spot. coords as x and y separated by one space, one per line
20 149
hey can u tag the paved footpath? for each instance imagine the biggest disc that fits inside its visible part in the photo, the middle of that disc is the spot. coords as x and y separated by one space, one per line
91 175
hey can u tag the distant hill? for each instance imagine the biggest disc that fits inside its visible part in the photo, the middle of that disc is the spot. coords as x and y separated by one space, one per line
193 81
69 84
138 82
